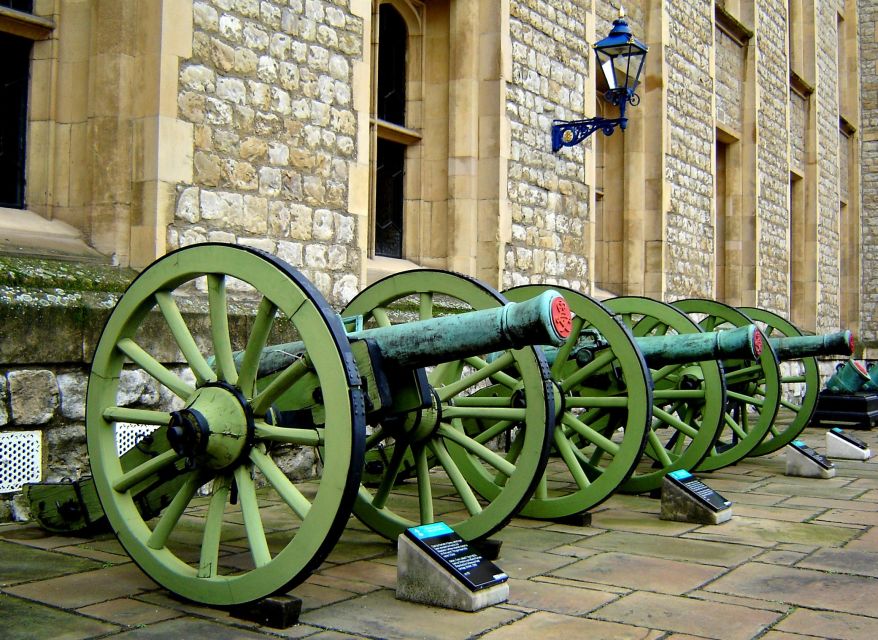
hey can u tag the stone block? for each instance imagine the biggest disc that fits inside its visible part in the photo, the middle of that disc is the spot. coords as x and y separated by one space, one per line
422 579
33 395
802 465
680 505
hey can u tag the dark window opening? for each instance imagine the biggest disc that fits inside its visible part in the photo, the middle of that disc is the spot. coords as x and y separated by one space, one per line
389 175
392 37
26 6
14 73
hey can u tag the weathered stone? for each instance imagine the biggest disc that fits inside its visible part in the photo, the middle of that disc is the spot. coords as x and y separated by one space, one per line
4 414
72 387
33 396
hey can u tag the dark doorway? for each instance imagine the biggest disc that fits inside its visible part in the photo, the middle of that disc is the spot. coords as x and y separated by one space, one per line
27 6
14 74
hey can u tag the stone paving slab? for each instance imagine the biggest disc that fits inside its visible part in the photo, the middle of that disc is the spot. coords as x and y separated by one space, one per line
796 561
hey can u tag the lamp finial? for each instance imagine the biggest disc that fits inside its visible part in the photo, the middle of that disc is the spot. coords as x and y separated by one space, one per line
621 11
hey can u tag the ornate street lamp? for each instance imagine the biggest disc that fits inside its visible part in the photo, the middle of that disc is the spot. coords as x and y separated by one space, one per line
621 57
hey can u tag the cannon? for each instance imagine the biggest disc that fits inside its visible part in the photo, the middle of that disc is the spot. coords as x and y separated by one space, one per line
772 399
612 403
232 525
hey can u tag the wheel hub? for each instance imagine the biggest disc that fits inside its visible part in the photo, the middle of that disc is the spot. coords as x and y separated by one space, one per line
215 429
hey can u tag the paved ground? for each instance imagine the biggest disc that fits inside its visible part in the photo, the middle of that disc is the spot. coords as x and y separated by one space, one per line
798 560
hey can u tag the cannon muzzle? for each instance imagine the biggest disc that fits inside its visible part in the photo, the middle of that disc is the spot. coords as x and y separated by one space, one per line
743 342
840 343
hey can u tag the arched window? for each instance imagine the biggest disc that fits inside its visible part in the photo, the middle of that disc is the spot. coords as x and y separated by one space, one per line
392 136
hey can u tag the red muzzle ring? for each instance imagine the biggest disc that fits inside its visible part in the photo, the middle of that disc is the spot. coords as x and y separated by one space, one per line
561 317
757 343
851 344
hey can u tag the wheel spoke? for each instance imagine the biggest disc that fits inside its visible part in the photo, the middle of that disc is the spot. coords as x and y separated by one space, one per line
485 413
262 325
276 478
665 371
753 372
460 484
143 471
570 459
379 314
391 472
219 327
661 454
675 422
154 368
678 394
425 310
735 427
791 406
451 390
375 437
425 489
183 337
288 435
734 395
277 387
137 416
477 449
588 370
252 519
590 434
172 513
213 528
567 348
596 402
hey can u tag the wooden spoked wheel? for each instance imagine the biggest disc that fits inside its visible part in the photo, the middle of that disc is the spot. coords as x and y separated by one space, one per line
605 395
235 528
474 458
688 399
752 387
800 385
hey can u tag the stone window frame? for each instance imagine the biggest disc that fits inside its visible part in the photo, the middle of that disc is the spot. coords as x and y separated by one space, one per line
413 14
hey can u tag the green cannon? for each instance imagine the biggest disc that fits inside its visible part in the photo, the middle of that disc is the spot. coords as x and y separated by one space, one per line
228 519
613 391
849 377
773 399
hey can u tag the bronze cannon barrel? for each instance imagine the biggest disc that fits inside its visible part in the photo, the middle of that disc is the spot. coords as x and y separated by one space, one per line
741 343
840 343
542 320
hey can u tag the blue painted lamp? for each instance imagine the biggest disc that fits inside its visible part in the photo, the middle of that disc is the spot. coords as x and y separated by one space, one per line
621 57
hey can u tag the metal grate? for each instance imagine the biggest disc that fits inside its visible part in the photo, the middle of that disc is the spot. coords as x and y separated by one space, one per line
21 455
128 435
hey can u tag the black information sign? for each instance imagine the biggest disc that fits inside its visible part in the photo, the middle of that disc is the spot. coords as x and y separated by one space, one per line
844 435
452 552
701 491
803 448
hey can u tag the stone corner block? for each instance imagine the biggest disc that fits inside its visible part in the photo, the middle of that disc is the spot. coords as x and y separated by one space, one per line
33 396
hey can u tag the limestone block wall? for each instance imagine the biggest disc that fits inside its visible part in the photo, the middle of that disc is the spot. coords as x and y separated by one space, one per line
772 195
548 194
269 91
689 177
868 39
798 131
729 67
826 33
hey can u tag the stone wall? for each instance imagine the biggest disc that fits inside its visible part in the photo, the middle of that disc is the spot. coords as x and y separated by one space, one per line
798 131
729 80
689 155
548 194
868 40
269 91
828 299
772 196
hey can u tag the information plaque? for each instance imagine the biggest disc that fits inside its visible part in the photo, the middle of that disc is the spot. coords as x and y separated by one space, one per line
809 453
699 490
844 435
452 552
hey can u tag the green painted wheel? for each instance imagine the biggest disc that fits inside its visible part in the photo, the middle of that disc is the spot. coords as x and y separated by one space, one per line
800 385
752 387
256 532
688 399
491 421
604 411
